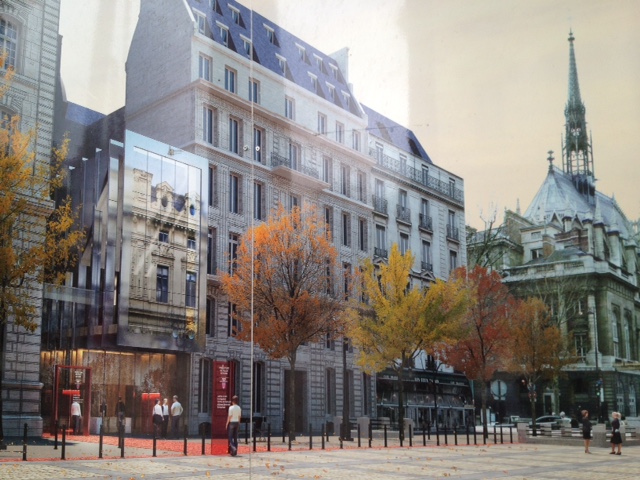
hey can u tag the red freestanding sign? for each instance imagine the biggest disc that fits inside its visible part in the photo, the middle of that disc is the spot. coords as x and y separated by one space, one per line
223 390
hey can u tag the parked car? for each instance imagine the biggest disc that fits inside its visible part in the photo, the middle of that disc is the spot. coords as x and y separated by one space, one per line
553 421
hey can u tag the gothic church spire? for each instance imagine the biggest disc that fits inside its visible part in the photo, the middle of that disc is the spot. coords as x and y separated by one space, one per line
577 151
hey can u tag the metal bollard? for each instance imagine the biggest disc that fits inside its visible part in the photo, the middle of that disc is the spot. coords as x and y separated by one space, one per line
186 433
326 430
24 443
437 435
446 439
501 441
268 437
410 436
495 435
475 439
64 442
340 440
370 433
467 434
101 440
322 437
204 435
455 435
154 443
359 436
289 442
284 431
246 433
310 438
510 434
55 435
254 440
122 445
385 436
424 437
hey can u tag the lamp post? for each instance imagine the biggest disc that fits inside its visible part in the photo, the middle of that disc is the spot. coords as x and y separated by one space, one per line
599 383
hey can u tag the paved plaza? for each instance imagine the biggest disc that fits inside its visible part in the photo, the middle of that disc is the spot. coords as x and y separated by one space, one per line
516 461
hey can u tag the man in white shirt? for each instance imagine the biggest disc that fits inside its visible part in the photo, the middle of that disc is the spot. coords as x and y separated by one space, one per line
76 414
233 424
176 411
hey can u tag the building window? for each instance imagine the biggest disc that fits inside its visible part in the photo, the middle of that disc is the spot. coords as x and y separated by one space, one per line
302 53
322 124
235 15
212 185
381 242
330 343
330 391
327 170
202 23
362 234
224 35
404 243
334 70
426 257
294 156
205 382
293 201
259 387
191 242
319 62
258 134
425 175
314 82
346 279
162 284
361 185
8 42
257 200
346 230
345 180
355 140
453 260
204 68
190 290
328 220
246 45
234 243
339 132
234 133
230 80
211 252
379 152
233 325
347 100
271 34
254 91
452 229
234 193
289 108
208 122
163 236
5 119
332 92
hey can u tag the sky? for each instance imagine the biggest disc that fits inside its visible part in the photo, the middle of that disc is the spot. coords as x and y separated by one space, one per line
482 84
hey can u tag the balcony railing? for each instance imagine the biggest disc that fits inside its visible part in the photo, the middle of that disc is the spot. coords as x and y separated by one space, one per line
379 205
418 176
426 222
403 214
426 266
379 252
281 161
452 233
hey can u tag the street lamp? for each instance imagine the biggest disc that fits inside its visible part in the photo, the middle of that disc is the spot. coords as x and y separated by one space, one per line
599 384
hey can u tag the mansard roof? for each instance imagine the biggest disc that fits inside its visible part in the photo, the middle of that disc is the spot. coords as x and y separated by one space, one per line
394 133
558 196
266 50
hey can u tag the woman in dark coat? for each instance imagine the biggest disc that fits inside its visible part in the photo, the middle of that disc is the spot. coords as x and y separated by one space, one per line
586 430
616 436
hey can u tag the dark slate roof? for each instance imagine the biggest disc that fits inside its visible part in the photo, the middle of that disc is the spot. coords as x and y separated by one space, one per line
82 115
558 196
394 133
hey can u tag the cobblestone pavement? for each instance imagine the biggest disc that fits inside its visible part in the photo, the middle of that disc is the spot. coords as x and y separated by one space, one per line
518 461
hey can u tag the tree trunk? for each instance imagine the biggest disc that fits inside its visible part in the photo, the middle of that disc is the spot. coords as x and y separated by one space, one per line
483 401
292 399
401 402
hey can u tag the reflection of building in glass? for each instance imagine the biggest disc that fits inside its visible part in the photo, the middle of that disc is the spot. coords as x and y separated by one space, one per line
256 118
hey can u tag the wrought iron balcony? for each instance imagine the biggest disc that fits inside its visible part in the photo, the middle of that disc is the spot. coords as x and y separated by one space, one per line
426 266
452 233
403 214
379 205
281 161
418 176
379 252
426 222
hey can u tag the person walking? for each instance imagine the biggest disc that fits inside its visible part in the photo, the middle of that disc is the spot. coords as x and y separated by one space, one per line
176 411
120 415
165 418
233 425
616 435
586 430
76 415
157 418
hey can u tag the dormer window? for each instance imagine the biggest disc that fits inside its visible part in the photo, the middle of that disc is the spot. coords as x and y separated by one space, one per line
332 92
314 82
318 62
235 15
282 63
302 53
202 22
334 70
347 100
246 45
271 34
224 35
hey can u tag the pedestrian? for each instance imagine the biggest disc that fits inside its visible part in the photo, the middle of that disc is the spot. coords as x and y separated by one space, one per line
76 414
120 415
616 435
233 425
165 418
176 411
586 430
157 418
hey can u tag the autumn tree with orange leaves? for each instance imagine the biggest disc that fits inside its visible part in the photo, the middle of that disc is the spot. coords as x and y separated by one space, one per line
485 340
287 288
538 350
37 242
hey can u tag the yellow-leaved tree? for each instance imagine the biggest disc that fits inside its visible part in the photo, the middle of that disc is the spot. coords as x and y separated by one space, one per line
396 322
287 274
37 242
